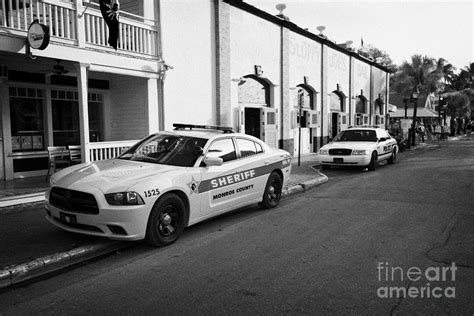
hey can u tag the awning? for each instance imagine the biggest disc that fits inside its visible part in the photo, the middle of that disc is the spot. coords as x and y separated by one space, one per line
420 112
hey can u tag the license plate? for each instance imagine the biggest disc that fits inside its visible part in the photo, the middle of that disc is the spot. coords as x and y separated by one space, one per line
68 218
338 160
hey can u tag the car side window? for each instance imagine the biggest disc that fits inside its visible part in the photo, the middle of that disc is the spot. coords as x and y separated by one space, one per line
248 148
223 148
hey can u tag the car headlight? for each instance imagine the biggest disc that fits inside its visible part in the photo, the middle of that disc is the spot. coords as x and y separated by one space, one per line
324 151
359 152
124 198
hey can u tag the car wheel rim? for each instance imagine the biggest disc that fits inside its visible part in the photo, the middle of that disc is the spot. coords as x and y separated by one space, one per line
168 221
273 191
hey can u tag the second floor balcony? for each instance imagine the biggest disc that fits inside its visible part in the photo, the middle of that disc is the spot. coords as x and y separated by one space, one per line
80 23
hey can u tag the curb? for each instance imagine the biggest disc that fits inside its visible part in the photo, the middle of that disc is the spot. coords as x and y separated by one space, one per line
22 199
306 185
44 265
41 266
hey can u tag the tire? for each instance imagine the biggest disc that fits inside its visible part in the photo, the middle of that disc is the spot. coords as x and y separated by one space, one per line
325 167
166 222
373 162
393 157
272 193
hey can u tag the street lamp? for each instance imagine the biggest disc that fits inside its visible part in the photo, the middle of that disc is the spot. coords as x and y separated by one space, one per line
414 99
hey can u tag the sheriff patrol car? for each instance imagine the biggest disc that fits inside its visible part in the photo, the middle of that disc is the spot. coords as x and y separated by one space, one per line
166 182
359 146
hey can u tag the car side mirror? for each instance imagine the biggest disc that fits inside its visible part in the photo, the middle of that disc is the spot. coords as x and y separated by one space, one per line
382 139
213 161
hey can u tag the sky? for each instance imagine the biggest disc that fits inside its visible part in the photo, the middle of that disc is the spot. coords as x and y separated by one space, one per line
402 28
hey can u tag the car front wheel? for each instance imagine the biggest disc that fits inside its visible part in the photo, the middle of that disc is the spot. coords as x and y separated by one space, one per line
373 162
393 157
272 193
166 221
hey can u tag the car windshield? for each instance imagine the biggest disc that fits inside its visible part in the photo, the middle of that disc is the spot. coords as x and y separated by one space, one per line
356 135
175 150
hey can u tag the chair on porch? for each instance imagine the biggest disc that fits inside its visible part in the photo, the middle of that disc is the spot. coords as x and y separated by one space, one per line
75 154
58 157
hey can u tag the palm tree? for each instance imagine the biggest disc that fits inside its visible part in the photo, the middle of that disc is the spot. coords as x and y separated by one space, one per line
465 78
422 72
446 72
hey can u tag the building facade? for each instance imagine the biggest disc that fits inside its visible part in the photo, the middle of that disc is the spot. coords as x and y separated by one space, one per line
219 62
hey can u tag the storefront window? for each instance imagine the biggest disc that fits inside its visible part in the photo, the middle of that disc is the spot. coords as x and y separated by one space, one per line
65 122
95 117
65 107
26 117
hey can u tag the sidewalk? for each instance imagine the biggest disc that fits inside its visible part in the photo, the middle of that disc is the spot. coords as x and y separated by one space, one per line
32 247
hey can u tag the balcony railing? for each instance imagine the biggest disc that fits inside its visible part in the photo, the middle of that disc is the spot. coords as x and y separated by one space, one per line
135 35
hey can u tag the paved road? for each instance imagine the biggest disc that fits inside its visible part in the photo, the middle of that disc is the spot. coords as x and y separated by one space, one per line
316 253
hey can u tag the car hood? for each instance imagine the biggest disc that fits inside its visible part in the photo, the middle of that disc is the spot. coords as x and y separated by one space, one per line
114 175
350 145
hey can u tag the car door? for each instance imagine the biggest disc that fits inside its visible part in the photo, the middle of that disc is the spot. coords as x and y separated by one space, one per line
255 161
218 188
384 146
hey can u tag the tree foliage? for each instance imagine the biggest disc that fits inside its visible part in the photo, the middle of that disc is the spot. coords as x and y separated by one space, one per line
438 76
381 57
421 72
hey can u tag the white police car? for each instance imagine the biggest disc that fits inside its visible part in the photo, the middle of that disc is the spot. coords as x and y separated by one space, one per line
166 182
359 146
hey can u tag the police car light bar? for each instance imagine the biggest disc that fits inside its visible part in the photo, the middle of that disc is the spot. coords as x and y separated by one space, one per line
178 126
364 126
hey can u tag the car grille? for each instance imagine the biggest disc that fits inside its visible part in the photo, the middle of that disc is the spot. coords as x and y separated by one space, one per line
340 152
73 201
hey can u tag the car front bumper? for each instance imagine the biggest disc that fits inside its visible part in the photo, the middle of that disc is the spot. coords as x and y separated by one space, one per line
349 160
115 222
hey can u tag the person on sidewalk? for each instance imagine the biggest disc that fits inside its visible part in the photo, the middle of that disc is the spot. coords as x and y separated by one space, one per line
469 129
437 131
421 130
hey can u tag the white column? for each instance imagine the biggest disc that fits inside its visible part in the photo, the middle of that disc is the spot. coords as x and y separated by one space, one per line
83 110
153 123
48 114
80 23
7 136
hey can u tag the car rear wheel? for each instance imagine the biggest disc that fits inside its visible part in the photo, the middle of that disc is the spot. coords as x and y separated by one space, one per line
166 221
393 157
272 193
373 162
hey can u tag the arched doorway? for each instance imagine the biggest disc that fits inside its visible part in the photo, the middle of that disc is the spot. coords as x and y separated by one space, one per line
305 120
361 112
338 120
257 117
378 111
